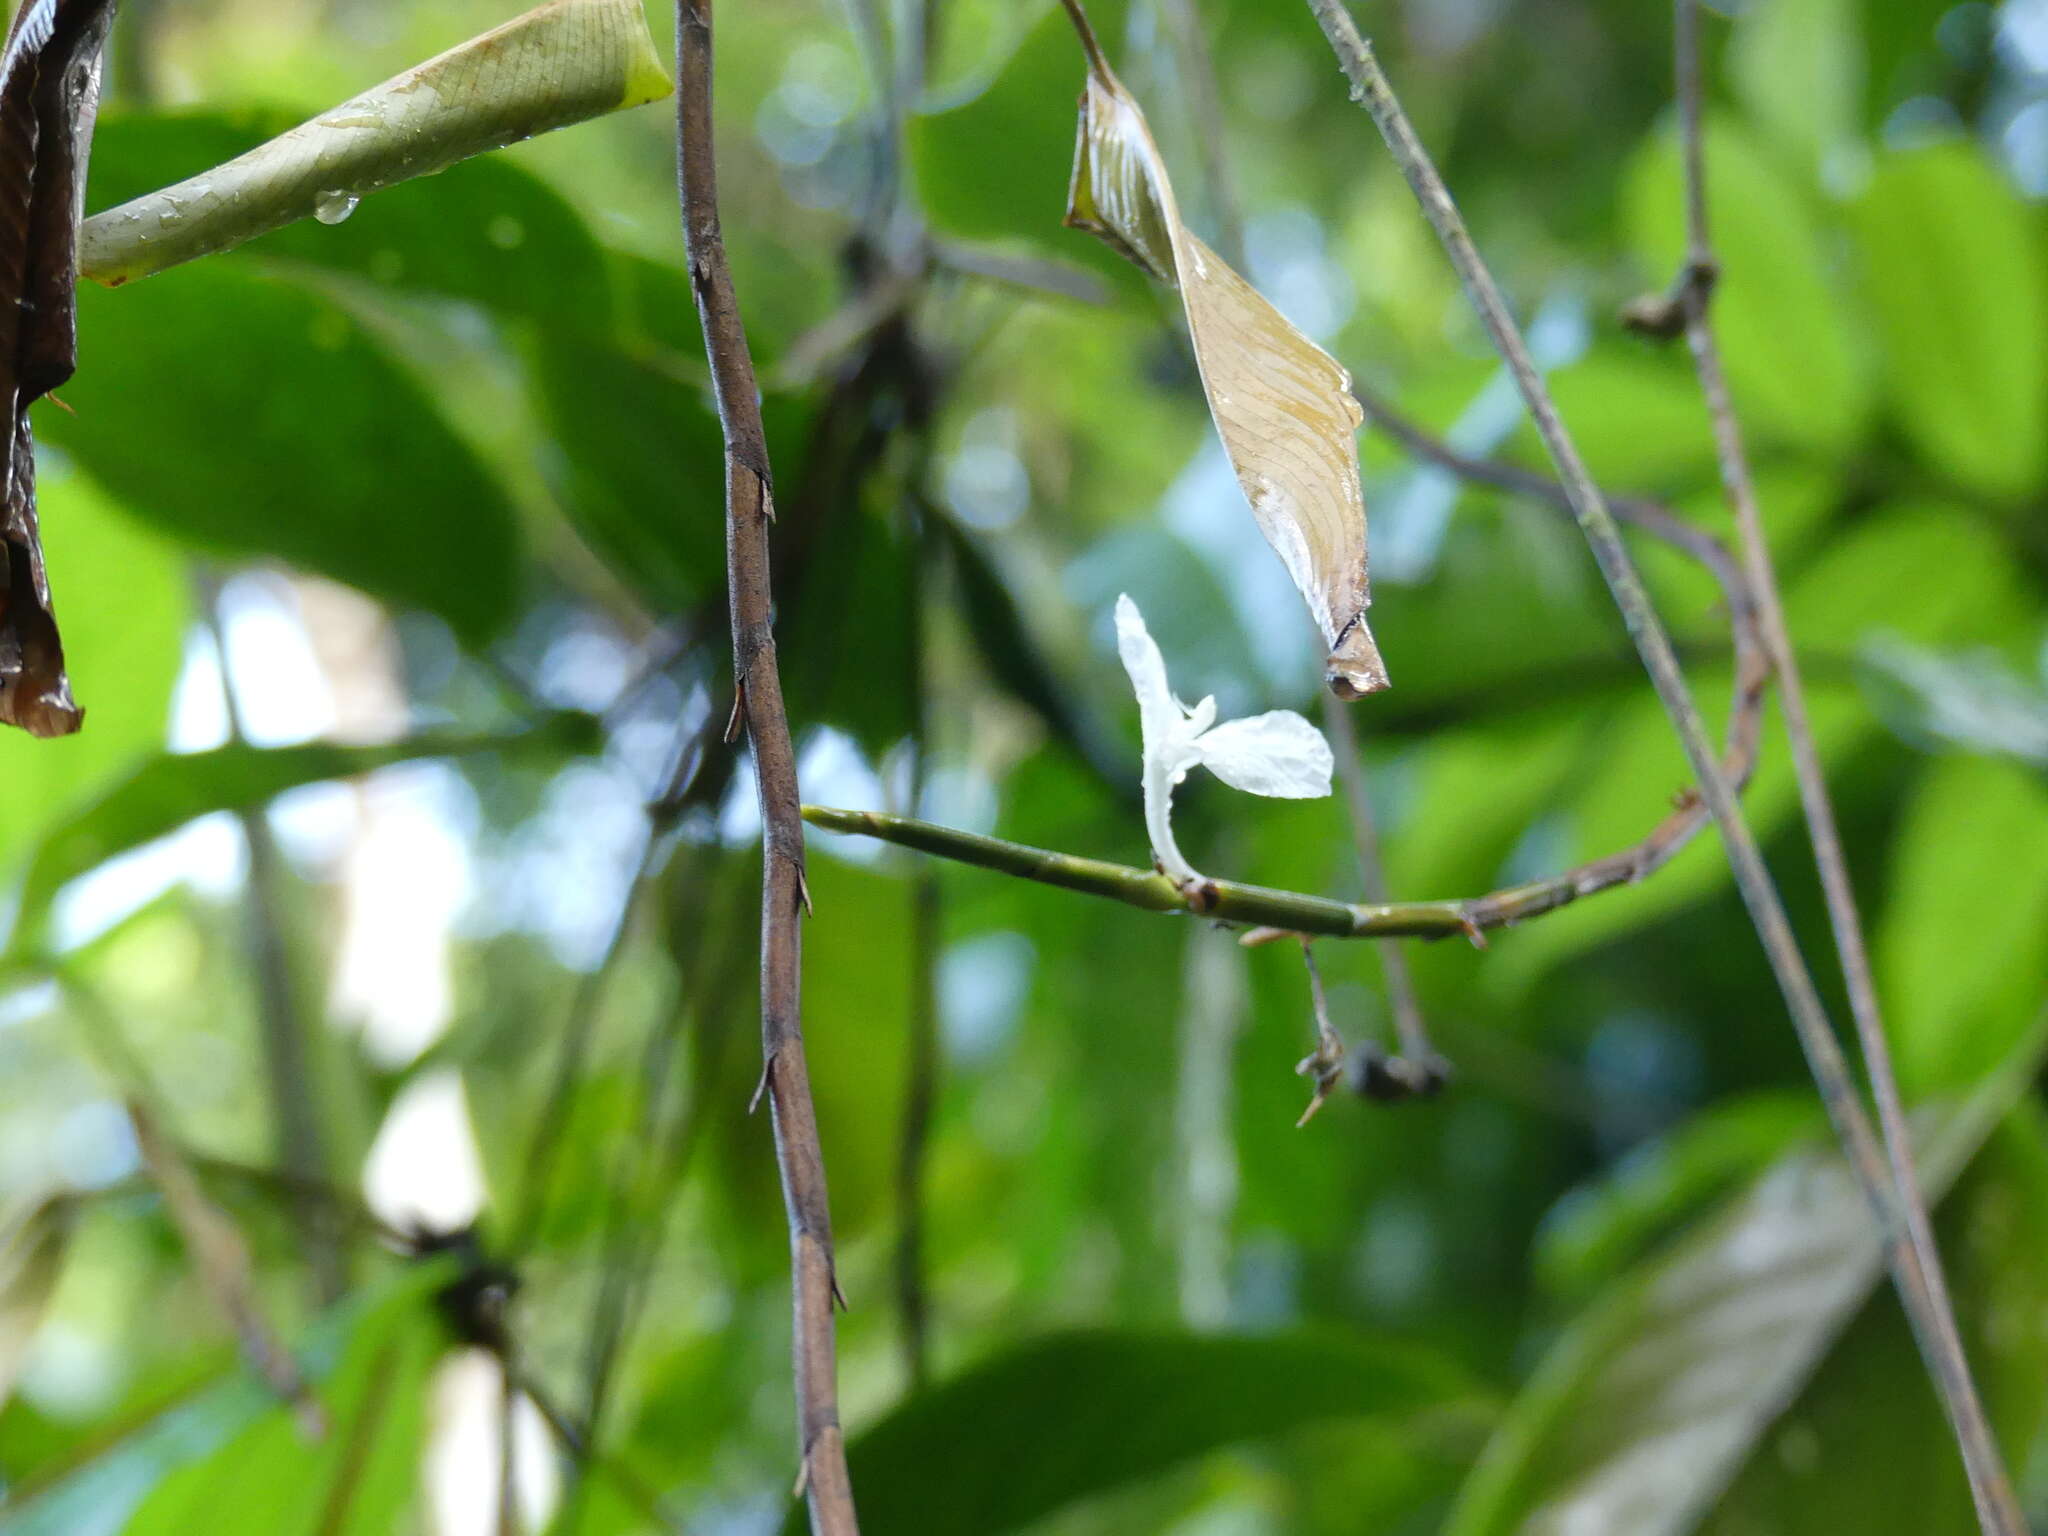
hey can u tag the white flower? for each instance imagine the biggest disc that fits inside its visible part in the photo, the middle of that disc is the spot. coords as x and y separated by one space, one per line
1277 753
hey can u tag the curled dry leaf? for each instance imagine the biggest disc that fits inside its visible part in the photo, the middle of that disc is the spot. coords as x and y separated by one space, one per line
560 63
49 92
1282 405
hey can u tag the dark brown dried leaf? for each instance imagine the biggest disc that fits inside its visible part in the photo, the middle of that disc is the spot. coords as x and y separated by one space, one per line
49 93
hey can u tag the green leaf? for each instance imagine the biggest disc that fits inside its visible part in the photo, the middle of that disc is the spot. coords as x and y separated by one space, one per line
1953 277
1016 661
1077 1414
860 936
1963 948
356 1480
1466 816
248 415
642 464
1650 1402
1798 66
1974 700
996 167
1901 42
1866 1448
129 1486
32 1247
845 641
1636 418
120 592
1511 595
1873 577
1596 1231
164 793
1789 336
487 232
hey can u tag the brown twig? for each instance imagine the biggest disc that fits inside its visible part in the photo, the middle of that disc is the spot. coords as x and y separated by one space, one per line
1409 1029
508 1465
572 1051
220 1257
285 1030
662 1151
749 507
638 1158
1097 59
565 1076
1940 1343
1324 1066
1196 70
575 1441
1751 663
1824 1056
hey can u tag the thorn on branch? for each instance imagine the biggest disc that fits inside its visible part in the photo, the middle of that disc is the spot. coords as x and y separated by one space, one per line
761 1083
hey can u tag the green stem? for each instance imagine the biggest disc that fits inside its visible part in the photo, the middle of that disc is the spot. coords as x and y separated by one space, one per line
558 64
1225 900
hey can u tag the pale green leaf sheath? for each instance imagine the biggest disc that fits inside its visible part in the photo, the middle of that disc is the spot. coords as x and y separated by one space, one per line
1282 405
560 63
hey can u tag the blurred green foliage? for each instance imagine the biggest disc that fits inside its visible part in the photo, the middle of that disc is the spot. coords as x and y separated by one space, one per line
1613 1257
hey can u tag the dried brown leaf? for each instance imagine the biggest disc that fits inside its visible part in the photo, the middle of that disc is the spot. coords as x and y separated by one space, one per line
1281 404
49 92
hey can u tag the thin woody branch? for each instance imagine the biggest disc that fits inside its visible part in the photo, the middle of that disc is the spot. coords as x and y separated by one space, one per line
1371 89
1270 913
1418 1065
749 505
1941 1345
220 1257
1752 665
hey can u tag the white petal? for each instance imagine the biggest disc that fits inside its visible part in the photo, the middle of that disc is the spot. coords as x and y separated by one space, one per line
1277 753
1159 713
1169 744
